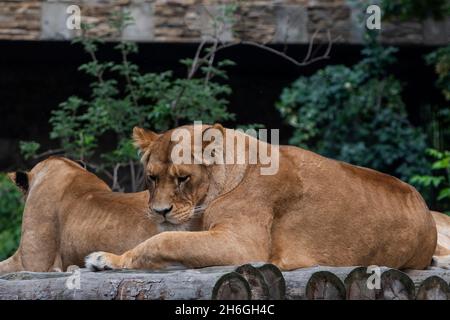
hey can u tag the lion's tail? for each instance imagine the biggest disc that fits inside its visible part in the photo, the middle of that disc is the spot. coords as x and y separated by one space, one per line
441 257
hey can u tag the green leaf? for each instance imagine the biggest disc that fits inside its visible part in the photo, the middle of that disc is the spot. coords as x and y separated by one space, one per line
444 194
29 148
441 164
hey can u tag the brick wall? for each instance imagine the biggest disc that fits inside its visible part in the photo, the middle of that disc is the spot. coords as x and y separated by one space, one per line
268 21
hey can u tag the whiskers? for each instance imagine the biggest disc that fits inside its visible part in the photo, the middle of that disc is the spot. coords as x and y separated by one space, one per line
178 217
198 210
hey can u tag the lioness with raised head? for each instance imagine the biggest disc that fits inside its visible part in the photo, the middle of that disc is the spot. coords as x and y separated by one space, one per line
69 212
312 211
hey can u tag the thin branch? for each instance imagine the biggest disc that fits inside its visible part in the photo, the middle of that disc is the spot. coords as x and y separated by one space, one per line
210 63
116 185
48 153
127 77
217 45
306 61
133 176
191 73
196 60
311 44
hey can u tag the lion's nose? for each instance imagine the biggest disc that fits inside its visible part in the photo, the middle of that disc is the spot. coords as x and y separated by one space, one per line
163 211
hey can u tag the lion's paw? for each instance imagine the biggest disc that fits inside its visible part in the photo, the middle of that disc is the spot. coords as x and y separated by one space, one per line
72 268
441 262
98 261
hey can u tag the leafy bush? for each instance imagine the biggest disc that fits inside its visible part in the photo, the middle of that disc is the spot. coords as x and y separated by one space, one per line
356 114
438 183
415 9
123 97
440 59
11 208
440 180
439 114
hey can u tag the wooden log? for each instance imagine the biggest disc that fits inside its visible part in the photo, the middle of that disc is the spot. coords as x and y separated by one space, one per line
390 284
324 285
396 285
258 286
433 288
207 283
232 286
275 281
192 284
419 276
356 284
296 280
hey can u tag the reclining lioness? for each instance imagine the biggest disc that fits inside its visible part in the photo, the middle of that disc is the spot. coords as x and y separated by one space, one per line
69 212
312 211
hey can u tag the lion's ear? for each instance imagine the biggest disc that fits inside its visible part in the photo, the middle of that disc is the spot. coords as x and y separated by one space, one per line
143 138
20 179
217 128
213 139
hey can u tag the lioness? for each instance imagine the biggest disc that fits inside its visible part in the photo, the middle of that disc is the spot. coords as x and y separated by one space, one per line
312 211
69 212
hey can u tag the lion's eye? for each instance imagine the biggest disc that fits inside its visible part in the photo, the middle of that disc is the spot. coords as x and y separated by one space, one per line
182 179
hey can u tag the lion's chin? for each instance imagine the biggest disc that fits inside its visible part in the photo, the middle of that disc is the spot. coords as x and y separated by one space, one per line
177 226
175 221
168 220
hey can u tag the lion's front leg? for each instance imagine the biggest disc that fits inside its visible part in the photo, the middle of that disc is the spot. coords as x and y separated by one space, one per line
99 261
191 249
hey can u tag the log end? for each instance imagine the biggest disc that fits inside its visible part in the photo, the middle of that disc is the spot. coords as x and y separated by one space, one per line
396 285
275 281
433 288
231 286
258 286
324 285
356 285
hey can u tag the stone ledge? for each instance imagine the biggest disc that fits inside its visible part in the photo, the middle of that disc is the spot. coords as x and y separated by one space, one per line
266 21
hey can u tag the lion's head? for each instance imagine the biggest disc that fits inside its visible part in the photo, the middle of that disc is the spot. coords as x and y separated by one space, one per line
177 190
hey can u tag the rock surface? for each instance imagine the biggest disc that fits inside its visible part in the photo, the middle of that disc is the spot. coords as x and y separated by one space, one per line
264 21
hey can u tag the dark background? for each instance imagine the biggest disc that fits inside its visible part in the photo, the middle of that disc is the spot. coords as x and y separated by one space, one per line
36 76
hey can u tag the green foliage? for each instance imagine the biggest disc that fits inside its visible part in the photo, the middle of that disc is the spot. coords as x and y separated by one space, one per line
123 97
11 207
28 149
439 127
441 61
355 114
440 179
415 9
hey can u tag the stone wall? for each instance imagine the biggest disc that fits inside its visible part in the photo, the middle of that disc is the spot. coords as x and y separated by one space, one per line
268 21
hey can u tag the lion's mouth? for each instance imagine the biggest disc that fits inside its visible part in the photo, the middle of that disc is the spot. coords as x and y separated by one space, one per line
178 218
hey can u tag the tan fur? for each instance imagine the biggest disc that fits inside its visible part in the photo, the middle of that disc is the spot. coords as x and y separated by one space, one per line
441 257
69 212
314 211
